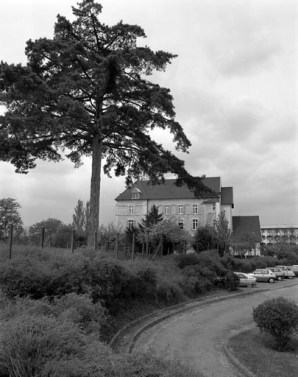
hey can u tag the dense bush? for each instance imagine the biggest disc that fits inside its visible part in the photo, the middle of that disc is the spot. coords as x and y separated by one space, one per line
183 260
76 308
279 318
45 346
197 279
231 281
53 347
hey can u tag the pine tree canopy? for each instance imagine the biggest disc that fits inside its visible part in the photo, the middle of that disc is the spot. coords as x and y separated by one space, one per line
85 93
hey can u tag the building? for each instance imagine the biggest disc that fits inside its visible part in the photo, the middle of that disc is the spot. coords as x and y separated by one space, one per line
247 236
191 212
280 234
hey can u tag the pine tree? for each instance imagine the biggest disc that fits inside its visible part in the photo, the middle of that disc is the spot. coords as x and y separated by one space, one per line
85 93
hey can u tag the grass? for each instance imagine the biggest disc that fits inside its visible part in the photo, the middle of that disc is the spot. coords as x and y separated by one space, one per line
258 353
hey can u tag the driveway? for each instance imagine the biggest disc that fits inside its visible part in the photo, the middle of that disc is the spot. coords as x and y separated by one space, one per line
198 335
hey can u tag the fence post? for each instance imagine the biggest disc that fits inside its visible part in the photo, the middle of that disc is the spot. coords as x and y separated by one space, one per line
73 236
95 241
143 245
147 244
116 246
10 240
133 246
42 238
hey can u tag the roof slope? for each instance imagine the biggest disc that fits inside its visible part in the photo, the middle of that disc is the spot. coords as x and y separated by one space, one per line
227 195
168 190
246 226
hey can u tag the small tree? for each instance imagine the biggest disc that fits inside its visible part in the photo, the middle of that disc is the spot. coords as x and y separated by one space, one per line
152 218
51 228
79 218
279 318
205 238
9 214
223 233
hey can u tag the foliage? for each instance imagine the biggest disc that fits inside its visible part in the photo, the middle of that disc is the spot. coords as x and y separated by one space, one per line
79 309
279 318
151 218
247 265
232 281
51 227
197 280
85 92
223 233
9 214
204 239
79 218
53 347
108 234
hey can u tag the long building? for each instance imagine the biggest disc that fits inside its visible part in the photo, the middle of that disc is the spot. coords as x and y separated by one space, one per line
279 234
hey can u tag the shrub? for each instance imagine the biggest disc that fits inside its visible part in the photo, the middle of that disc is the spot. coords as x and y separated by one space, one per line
78 309
231 281
45 346
197 279
279 318
183 260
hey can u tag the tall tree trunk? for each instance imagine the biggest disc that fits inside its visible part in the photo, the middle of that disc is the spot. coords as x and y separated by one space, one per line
95 188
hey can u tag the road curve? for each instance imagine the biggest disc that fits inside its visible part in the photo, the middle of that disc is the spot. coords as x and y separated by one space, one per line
199 335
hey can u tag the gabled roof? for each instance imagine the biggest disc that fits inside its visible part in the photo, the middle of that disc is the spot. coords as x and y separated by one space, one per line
227 196
168 190
246 226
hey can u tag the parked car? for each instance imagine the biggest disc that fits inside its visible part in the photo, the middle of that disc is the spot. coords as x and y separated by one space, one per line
246 280
278 272
287 271
295 269
264 275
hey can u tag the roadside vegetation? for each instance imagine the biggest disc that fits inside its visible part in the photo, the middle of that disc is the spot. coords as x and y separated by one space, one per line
86 297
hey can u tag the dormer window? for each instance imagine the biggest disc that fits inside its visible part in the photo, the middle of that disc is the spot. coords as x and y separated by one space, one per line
135 194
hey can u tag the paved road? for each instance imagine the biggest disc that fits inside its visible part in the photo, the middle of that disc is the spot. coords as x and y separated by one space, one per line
198 335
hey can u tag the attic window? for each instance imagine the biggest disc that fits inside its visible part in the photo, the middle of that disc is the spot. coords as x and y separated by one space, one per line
135 194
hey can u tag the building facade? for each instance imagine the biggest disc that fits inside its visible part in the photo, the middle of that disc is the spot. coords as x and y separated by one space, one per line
280 234
181 203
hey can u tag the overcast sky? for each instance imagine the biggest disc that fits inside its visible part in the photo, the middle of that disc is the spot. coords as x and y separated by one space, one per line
235 91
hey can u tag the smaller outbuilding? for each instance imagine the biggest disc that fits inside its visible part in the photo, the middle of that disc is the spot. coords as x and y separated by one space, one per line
247 236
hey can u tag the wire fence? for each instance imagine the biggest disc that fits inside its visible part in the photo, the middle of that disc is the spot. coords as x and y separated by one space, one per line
120 246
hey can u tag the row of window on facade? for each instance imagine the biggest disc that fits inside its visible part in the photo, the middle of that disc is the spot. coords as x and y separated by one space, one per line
166 209
194 224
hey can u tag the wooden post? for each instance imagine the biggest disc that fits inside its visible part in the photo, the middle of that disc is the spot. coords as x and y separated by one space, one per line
10 240
133 246
117 242
73 236
161 246
147 244
143 245
95 241
42 238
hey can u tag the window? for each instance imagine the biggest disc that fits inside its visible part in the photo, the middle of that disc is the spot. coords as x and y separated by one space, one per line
195 224
195 208
181 223
130 210
167 210
130 224
180 209
135 194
